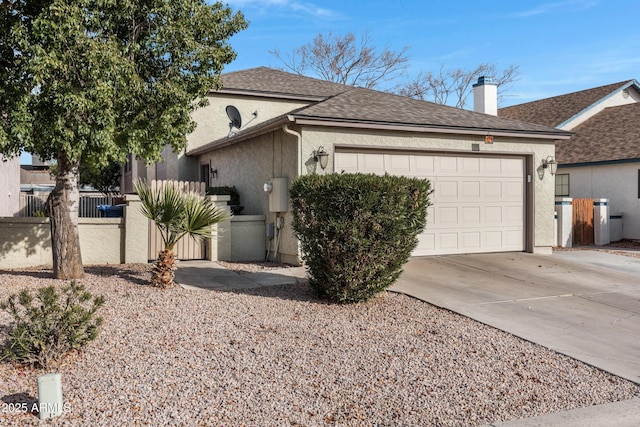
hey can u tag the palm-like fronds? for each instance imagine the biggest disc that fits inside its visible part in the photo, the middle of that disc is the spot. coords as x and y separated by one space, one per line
178 213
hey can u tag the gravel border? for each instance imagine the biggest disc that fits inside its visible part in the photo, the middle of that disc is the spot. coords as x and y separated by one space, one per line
277 356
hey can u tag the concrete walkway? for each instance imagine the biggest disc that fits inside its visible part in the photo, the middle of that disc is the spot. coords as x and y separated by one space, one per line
211 275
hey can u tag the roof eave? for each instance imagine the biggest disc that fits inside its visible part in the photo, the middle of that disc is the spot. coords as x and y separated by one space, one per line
362 124
249 133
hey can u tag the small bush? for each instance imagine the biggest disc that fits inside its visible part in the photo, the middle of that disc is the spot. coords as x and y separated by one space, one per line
46 327
356 230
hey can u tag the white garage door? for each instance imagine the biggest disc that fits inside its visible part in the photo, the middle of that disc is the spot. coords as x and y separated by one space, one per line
478 201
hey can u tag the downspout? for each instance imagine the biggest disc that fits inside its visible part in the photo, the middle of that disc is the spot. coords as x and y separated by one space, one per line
285 127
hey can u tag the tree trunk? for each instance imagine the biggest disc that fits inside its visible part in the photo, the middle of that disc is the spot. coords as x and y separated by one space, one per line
164 270
63 205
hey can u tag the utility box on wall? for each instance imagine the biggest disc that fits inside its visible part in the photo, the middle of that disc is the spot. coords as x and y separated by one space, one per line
279 195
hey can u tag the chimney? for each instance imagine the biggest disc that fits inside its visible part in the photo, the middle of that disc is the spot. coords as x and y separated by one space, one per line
485 96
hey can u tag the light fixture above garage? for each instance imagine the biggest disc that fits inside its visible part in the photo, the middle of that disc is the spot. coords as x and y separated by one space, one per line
321 156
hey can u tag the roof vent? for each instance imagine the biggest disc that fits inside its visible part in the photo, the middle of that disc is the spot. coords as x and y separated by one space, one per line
625 93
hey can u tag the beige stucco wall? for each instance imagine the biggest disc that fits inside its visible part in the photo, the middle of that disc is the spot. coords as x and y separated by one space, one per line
247 166
616 182
9 186
26 242
213 122
543 194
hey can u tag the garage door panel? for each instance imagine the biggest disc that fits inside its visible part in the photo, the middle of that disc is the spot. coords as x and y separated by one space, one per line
493 239
448 216
513 167
492 190
446 190
471 240
371 163
471 215
422 165
446 165
398 164
471 189
347 162
478 202
513 190
470 165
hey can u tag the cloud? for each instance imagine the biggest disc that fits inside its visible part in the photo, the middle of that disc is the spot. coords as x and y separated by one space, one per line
561 5
307 8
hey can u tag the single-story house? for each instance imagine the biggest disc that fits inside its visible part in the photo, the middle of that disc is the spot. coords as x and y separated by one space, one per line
602 158
490 190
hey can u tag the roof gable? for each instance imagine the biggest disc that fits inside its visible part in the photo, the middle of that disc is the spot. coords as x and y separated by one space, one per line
559 109
610 135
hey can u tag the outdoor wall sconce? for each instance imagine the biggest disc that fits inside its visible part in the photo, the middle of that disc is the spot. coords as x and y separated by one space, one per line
551 164
214 173
321 156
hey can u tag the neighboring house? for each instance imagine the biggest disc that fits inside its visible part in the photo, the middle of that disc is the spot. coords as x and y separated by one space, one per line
602 159
9 186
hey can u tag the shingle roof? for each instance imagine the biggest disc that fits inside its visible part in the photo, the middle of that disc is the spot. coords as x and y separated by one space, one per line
271 81
612 134
366 105
346 106
556 110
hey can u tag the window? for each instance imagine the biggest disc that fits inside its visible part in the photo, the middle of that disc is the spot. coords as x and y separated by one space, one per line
562 184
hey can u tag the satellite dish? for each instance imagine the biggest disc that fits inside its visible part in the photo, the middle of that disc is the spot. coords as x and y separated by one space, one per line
234 116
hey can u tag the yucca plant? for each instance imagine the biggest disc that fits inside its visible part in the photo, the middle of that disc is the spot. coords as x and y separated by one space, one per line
177 213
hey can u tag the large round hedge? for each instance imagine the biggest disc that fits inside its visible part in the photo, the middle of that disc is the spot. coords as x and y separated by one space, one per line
357 230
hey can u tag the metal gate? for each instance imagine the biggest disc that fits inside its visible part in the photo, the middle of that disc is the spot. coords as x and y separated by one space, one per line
583 222
187 247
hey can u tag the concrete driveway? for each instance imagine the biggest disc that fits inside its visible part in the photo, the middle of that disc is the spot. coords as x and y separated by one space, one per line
585 304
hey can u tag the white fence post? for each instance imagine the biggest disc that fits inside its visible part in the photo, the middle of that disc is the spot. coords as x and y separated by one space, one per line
219 246
601 233
136 231
564 210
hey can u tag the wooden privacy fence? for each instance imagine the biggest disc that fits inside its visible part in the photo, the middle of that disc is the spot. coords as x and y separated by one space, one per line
583 222
187 247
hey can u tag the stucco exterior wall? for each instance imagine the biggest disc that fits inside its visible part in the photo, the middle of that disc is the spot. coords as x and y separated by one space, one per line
247 166
544 184
26 242
213 122
9 186
616 182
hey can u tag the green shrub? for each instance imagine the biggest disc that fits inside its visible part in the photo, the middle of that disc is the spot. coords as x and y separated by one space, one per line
46 327
356 231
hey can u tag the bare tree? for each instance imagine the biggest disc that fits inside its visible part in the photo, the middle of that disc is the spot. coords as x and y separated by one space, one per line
453 87
346 60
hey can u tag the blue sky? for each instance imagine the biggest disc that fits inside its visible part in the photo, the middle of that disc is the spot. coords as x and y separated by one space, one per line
559 46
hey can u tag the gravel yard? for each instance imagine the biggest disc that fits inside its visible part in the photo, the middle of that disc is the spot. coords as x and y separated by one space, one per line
276 356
